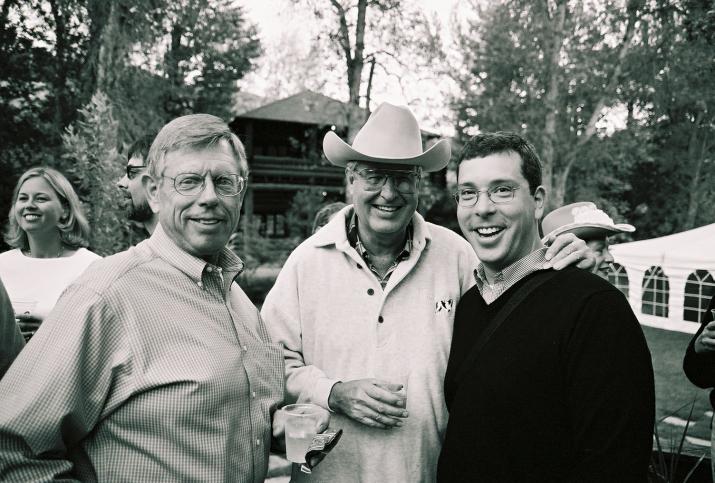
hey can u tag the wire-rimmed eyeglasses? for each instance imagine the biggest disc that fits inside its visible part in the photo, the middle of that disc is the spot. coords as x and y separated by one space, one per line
190 184
404 182
498 195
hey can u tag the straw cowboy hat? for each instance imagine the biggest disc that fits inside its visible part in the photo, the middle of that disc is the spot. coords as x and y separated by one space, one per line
584 220
391 136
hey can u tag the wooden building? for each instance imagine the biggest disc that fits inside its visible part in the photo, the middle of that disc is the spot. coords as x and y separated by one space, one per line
283 141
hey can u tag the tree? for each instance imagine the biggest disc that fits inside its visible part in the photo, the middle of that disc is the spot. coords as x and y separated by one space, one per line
549 69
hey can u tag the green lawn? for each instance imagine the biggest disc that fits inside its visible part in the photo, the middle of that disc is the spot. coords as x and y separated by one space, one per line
674 393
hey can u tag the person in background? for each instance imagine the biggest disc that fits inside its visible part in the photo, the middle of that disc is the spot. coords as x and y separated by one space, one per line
11 340
590 224
138 209
549 376
144 371
49 235
699 362
326 213
364 307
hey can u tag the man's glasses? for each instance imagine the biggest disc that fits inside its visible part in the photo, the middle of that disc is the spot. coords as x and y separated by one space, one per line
134 171
467 197
404 182
190 184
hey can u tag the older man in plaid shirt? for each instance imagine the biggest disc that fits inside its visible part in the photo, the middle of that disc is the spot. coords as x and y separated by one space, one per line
154 366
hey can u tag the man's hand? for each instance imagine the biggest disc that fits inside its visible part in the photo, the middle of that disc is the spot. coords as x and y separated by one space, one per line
278 444
567 249
371 402
28 324
705 342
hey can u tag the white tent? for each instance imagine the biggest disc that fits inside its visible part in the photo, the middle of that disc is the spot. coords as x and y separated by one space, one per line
679 256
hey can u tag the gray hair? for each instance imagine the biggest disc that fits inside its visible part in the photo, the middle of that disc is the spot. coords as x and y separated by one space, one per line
195 131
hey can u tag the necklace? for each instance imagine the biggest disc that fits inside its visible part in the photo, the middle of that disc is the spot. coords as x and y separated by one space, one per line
59 253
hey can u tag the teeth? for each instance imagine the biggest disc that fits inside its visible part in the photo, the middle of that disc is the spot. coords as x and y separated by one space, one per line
31 217
208 222
387 209
488 231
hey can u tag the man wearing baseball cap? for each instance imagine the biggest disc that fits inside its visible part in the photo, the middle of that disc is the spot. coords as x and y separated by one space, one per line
364 308
590 224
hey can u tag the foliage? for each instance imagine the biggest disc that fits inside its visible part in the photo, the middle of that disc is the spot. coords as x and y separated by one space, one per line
616 96
302 210
664 461
93 165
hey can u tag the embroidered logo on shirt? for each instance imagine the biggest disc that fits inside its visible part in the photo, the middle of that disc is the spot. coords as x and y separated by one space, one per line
444 305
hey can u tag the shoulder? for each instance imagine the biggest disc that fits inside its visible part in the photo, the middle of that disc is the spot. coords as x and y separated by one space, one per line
84 254
581 282
442 238
104 273
14 254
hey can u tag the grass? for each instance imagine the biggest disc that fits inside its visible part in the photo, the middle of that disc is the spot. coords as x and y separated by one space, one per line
674 394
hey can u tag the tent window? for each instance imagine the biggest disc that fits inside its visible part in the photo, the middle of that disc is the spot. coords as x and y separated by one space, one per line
618 277
655 292
699 288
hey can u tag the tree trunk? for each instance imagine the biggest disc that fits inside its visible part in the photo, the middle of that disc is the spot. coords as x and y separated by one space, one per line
60 77
548 158
696 155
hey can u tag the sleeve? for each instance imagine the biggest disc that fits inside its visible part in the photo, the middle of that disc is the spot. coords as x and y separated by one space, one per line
610 394
700 368
58 388
281 312
11 340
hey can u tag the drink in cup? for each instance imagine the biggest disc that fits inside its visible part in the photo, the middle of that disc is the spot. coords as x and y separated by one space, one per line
301 425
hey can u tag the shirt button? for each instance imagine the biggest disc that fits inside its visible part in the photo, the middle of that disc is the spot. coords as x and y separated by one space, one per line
258 442
253 394
245 349
370 291
209 269
380 319
359 266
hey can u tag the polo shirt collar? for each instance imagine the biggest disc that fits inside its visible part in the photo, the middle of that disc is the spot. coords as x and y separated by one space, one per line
335 231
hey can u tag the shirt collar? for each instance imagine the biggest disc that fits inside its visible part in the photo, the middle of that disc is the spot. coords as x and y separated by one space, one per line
192 266
504 279
356 243
336 231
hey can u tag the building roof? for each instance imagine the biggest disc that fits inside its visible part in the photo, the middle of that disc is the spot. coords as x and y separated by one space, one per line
306 107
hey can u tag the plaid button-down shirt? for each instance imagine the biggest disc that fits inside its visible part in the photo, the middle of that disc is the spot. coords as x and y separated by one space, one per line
152 367
503 280
354 239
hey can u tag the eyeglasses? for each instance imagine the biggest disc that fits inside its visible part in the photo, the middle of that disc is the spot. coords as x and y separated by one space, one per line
467 197
133 171
190 184
404 181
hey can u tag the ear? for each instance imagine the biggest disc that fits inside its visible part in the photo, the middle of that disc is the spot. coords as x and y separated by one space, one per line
151 189
539 201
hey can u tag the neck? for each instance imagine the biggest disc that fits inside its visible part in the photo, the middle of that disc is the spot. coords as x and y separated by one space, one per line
45 247
150 225
382 244
492 269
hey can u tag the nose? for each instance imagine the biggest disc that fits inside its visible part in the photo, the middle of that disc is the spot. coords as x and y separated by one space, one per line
484 206
208 196
388 190
607 257
123 182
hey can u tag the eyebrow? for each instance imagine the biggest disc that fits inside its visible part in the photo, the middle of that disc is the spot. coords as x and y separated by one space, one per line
496 182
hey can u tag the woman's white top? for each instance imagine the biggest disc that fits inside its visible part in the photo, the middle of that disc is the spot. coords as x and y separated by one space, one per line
35 284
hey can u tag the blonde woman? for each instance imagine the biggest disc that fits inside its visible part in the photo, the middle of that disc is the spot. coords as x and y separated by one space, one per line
49 235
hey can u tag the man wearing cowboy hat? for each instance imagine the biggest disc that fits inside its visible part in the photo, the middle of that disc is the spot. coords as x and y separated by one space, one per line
364 308
590 224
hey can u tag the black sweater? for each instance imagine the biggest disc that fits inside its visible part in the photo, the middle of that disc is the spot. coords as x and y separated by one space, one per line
700 368
563 391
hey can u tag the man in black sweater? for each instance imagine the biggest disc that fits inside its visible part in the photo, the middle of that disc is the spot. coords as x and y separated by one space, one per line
562 390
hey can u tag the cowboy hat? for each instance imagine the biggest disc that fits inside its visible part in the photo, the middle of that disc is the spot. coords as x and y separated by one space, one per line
390 136
584 220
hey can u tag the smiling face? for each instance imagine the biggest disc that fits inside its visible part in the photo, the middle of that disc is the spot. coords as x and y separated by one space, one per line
603 257
200 224
135 199
383 213
502 233
38 208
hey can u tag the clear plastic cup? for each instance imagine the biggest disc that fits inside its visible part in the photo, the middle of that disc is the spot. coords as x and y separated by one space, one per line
301 424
